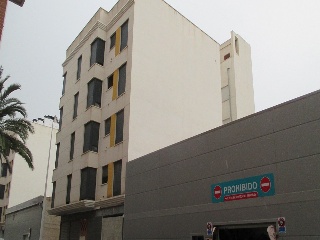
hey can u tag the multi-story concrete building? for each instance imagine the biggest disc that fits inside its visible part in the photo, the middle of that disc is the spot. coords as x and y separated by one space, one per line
22 184
136 79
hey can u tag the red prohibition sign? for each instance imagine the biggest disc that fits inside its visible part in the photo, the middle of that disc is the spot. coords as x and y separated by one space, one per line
281 222
217 192
265 184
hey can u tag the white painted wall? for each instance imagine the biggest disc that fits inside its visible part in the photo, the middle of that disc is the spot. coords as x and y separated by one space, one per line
236 80
243 78
27 184
175 79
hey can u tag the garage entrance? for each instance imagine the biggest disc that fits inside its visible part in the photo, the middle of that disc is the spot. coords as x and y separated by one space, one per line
244 232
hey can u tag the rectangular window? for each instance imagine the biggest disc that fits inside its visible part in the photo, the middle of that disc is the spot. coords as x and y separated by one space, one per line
124 35
57 156
117 178
79 67
226 56
122 79
94 93
73 136
7 152
110 81
53 194
112 40
75 105
107 125
2 189
4 169
97 52
105 174
88 184
64 83
60 121
91 136
8 189
68 189
119 126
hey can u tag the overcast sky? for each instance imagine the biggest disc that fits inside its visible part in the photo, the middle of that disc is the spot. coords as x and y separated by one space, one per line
284 36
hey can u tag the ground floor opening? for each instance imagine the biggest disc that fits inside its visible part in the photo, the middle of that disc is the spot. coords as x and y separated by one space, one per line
264 231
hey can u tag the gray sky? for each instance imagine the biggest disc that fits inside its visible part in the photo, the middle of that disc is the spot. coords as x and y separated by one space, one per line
284 36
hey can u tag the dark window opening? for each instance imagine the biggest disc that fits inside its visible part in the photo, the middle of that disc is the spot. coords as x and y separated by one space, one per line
107 126
60 121
112 40
2 189
57 156
105 174
68 189
97 52
94 93
119 126
117 178
75 105
4 169
79 67
124 35
226 56
122 79
73 136
110 81
7 151
53 194
88 184
64 83
91 136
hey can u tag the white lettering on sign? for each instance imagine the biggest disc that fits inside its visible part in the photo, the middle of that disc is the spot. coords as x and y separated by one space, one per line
240 188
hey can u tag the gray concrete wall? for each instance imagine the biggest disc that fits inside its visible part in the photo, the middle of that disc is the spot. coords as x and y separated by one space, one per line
168 192
22 222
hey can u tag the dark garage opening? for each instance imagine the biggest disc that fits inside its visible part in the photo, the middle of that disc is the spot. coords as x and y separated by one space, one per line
244 233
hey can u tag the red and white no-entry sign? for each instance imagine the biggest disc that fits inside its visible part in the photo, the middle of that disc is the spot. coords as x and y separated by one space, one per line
217 192
265 184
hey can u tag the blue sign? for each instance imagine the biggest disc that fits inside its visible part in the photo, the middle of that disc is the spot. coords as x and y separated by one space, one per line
245 188
282 229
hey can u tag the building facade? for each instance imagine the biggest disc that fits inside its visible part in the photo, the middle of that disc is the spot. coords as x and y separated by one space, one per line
22 184
256 178
23 221
41 144
126 94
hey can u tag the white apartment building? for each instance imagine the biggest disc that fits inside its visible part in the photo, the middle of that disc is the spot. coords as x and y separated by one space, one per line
23 184
136 79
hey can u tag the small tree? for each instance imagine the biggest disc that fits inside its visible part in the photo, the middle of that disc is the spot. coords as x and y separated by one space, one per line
14 131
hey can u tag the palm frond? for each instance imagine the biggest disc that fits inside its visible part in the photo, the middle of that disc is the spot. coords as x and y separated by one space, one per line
9 90
12 110
19 147
13 131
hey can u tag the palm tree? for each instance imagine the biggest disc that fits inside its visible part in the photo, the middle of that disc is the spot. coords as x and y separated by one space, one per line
14 131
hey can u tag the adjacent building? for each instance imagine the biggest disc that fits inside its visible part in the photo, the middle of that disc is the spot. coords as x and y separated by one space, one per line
24 221
256 178
22 184
136 79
